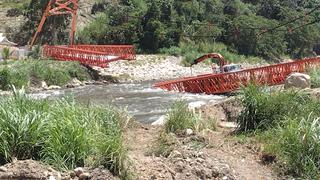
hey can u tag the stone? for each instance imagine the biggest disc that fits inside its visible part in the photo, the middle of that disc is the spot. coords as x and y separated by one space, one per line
44 85
72 174
84 176
298 80
193 106
78 171
3 169
228 125
160 122
189 132
53 87
52 178
175 154
74 83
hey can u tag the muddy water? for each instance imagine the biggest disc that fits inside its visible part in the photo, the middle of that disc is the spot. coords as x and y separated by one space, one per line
144 103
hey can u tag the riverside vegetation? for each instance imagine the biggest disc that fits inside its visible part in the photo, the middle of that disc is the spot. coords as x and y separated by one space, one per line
62 133
288 125
30 73
285 124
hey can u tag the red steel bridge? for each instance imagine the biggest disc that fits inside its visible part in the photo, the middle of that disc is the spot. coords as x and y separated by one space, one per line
95 55
227 82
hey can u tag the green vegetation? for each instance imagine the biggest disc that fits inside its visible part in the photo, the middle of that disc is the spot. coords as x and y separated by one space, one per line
288 124
5 53
261 29
179 119
61 133
32 72
315 77
243 26
191 51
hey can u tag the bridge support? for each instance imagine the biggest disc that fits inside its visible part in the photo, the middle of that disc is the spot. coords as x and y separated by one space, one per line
59 7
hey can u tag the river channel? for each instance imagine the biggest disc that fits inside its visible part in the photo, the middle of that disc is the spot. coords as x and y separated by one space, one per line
144 103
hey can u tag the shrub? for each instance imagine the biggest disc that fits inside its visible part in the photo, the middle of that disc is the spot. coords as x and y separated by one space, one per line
24 73
264 108
297 144
5 53
180 118
61 133
315 77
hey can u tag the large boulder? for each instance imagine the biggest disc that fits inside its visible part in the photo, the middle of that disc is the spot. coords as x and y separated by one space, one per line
298 80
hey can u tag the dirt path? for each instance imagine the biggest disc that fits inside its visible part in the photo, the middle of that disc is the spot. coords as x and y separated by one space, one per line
242 158
221 158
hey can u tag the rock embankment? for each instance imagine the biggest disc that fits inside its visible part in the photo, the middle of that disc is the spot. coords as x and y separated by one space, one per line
152 67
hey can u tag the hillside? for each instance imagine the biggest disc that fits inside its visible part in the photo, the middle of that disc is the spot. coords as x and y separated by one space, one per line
270 29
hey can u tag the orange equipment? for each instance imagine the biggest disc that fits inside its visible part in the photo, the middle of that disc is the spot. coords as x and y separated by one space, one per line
221 61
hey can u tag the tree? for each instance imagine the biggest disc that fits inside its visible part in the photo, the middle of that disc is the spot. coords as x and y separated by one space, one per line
55 30
245 35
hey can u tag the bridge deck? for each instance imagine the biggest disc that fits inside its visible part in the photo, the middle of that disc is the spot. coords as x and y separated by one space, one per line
95 55
228 82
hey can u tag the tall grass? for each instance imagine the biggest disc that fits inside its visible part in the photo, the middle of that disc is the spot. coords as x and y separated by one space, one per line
297 144
288 123
264 108
61 133
315 77
180 118
32 72
5 53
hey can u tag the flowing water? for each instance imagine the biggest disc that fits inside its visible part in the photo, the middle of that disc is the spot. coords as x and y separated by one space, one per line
144 103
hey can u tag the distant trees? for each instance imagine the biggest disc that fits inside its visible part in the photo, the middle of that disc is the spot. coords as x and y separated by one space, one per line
246 26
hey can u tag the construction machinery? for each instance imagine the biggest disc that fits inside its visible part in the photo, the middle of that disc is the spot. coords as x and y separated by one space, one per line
223 65
228 81
95 55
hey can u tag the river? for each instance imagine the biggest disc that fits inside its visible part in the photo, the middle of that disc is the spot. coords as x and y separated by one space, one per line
143 103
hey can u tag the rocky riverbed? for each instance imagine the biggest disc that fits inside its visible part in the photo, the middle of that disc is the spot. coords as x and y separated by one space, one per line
152 67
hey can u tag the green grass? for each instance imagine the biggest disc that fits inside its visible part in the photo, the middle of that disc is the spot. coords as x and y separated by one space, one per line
31 72
13 3
180 118
62 133
191 51
315 77
297 145
263 108
287 123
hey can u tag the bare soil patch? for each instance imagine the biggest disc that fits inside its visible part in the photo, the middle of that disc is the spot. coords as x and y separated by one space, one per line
208 155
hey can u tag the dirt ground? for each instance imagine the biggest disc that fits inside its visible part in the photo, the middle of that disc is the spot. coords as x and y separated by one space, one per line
33 170
210 155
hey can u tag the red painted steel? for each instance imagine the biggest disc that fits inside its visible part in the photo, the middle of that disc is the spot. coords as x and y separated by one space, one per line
96 55
126 52
59 7
89 57
228 82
